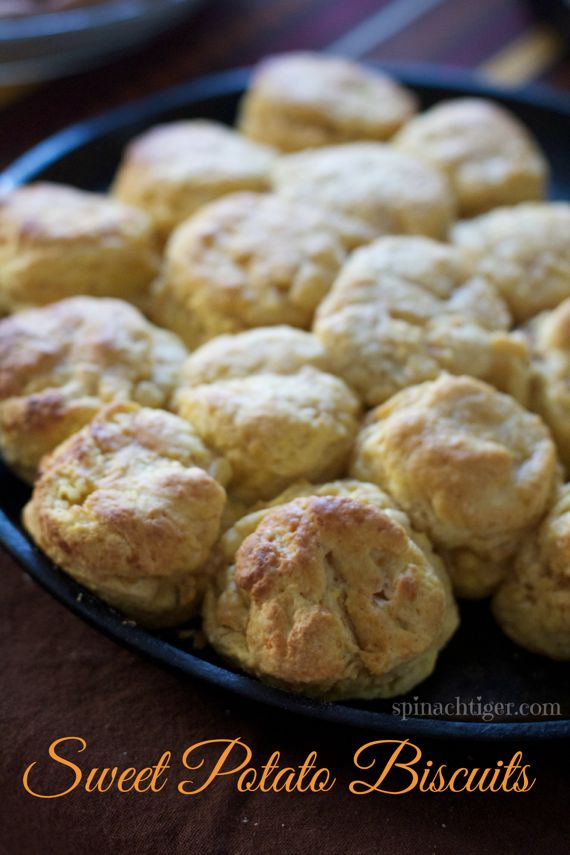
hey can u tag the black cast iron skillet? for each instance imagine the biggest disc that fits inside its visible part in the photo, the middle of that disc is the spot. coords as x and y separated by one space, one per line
480 666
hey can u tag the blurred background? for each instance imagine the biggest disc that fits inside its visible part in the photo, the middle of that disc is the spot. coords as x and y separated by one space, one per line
64 60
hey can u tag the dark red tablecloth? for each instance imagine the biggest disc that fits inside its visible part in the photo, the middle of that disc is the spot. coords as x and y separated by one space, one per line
61 678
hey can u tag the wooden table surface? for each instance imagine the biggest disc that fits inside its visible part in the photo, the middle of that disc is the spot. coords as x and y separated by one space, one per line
60 678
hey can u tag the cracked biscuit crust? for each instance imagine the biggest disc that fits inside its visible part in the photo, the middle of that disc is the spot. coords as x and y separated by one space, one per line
304 100
131 506
274 350
471 467
533 605
404 309
415 279
57 241
275 429
549 336
244 261
369 190
59 364
331 595
525 252
488 155
172 170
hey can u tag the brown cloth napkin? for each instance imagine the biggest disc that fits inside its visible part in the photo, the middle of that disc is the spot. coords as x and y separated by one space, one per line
58 677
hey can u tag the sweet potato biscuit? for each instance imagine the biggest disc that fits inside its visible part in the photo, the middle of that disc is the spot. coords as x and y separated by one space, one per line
549 335
525 252
404 309
331 595
369 190
378 355
173 169
274 429
471 467
56 242
488 155
416 279
246 517
533 604
274 350
304 100
246 522
244 261
131 506
59 364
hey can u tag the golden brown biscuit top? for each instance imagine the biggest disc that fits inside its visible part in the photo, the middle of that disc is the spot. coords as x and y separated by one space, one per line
253 259
347 488
275 350
470 454
478 139
415 279
533 604
267 402
350 565
338 85
196 150
553 541
550 331
89 346
125 433
525 251
369 189
467 127
45 213
549 339
137 487
378 354
275 429
343 92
